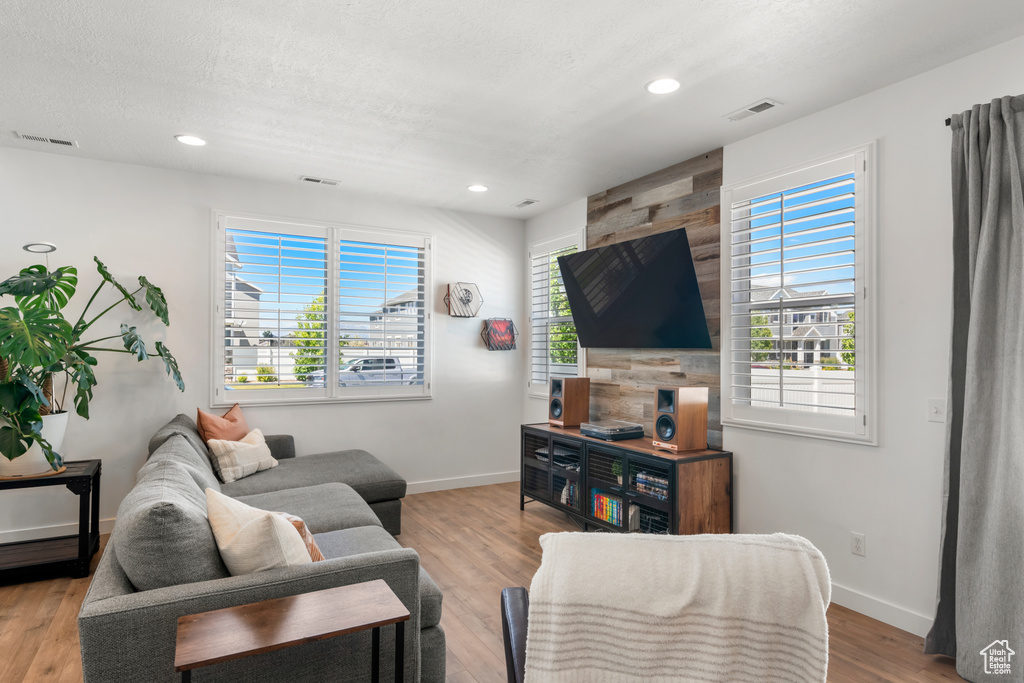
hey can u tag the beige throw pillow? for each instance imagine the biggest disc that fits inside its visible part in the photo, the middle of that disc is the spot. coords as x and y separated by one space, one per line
236 459
250 539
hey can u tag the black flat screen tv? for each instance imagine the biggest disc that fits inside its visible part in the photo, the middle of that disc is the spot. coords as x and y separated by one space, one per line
637 294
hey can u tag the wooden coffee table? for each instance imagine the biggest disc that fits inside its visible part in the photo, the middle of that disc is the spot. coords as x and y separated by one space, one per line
237 632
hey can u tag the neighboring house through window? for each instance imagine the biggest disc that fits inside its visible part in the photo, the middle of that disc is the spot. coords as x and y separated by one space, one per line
554 350
308 312
797 352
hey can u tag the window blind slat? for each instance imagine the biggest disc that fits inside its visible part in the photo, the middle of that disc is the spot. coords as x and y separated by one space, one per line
553 342
792 311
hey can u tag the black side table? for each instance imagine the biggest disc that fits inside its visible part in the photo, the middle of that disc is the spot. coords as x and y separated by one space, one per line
82 477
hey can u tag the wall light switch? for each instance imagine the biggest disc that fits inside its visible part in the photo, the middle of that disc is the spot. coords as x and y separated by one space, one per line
936 410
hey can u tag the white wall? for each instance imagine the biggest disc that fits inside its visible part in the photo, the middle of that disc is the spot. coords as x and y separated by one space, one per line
554 223
824 490
146 221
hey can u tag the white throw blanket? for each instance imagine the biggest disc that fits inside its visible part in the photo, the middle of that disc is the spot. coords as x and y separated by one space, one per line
632 607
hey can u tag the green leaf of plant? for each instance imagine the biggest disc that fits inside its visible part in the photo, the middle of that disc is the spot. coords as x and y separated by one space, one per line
155 299
133 343
10 402
35 288
105 274
82 398
33 338
23 379
81 364
23 422
55 459
12 444
29 281
171 364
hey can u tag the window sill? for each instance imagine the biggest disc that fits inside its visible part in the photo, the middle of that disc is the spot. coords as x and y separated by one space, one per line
247 402
791 430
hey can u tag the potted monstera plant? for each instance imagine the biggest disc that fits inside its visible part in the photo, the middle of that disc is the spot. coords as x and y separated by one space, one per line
38 345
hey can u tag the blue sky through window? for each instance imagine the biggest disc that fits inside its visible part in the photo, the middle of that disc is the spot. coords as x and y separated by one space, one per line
290 272
816 251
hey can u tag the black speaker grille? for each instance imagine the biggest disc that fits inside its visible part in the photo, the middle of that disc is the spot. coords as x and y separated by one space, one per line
665 428
556 408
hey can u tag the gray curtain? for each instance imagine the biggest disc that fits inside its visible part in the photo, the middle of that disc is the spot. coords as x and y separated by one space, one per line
981 581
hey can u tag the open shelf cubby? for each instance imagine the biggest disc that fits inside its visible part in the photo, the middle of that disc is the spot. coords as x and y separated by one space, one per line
626 486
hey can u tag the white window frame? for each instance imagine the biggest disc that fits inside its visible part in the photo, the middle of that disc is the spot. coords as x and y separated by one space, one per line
862 427
576 238
334 233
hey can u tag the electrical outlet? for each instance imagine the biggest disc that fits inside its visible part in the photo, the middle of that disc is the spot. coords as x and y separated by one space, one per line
936 410
857 544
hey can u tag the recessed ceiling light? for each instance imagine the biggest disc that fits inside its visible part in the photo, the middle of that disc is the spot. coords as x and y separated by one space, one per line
190 140
662 86
477 188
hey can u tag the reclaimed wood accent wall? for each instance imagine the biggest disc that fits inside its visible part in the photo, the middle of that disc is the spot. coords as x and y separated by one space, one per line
685 195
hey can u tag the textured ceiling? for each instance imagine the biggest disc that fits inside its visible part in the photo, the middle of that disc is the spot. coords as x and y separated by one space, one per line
415 99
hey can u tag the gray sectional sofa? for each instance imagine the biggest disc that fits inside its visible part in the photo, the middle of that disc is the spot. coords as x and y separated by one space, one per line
162 563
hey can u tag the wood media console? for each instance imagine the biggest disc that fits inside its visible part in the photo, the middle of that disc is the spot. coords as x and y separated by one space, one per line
626 486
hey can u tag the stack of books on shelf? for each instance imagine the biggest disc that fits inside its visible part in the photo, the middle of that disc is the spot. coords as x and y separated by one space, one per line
569 492
652 485
606 508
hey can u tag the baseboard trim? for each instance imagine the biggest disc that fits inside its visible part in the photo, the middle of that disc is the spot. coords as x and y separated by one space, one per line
894 615
70 529
106 525
462 482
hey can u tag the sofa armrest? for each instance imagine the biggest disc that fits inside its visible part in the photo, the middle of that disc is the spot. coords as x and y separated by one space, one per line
515 611
131 636
281 445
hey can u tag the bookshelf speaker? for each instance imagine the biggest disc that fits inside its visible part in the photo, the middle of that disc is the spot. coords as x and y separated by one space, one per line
681 418
569 401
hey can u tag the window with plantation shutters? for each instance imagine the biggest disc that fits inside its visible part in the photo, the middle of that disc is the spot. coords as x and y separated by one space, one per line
796 353
554 350
313 312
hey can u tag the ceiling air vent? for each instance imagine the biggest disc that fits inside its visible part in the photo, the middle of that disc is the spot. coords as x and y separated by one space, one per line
44 139
751 109
320 181
525 203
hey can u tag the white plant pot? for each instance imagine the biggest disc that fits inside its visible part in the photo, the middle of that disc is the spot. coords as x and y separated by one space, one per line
33 462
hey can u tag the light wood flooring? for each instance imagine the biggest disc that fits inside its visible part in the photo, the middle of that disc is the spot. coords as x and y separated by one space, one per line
474 542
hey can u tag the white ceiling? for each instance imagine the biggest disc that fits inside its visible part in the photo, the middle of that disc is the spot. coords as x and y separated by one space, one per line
416 99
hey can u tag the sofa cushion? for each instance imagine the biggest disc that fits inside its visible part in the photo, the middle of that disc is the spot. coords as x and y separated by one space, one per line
327 507
178 449
162 536
253 540
183 425
281 445
372 479
371 539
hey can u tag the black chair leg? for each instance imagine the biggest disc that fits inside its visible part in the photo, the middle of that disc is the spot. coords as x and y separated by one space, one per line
515 612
